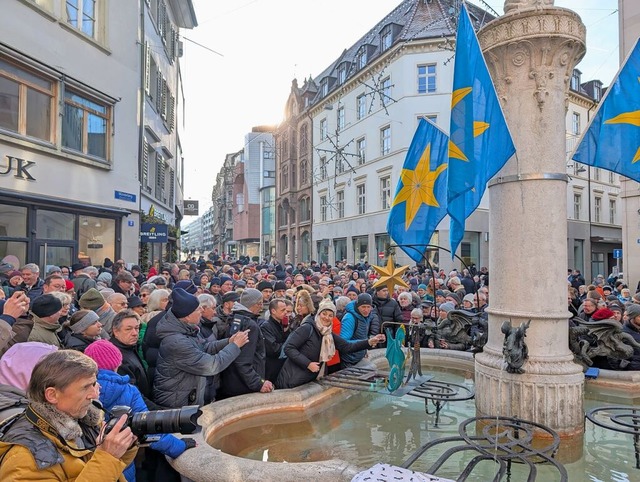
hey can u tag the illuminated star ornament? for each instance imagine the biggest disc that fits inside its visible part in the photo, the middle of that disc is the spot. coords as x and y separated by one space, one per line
390 276
417 187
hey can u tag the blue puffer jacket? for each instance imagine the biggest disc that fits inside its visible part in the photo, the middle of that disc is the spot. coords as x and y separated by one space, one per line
116 390
354 326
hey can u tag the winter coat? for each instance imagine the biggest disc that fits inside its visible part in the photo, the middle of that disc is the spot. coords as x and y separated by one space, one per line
354 326
116 390
133 367
35 291
77 341
151 343
247 372
634 361
208 329
388 309
303 347
45 332
185 360
29 453
222 321
274 339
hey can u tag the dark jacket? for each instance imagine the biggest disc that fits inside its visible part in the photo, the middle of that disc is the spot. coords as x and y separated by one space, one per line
469 284
77 341
634 361
354 326
151 344
83 283
35 291
222 322
185 361
303 347
208 329
274 339
133 367
388 309
247 372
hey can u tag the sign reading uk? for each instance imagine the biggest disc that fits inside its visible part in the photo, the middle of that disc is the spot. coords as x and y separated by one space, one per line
154 233
21 166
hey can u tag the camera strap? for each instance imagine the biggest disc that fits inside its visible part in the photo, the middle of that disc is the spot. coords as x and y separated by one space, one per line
40 423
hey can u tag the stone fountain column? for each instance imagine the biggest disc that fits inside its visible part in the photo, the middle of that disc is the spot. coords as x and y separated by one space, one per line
531 52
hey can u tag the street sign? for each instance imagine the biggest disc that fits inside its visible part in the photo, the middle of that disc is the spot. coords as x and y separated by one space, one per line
381 255
617 254
124 196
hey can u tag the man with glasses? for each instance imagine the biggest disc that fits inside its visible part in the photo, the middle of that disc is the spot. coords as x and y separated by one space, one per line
118 302
54 282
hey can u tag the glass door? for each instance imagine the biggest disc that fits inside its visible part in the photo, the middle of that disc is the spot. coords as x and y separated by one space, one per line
54 255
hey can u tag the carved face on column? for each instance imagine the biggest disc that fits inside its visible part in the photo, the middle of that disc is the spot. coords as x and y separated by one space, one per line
519 5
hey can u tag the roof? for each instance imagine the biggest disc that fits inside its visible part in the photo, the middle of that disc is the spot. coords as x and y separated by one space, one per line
411 20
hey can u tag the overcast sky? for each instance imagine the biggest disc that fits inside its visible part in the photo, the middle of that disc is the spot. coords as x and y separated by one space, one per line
264 44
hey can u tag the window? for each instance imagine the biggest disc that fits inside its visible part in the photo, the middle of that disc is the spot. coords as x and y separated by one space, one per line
323 208
304 137
385 96
82 15
426 79
361 106
26 102
305 209
340 118
304 172
342 74
597 208
294 176
361 147
323 129
597 91
385 140
160 177
323 168
268 154
85 125
385 192
575 123
324 87
361 58
361 198
147 150
431 117
240 202
386 39
596 173
612 177
577 205
340 203
575 80
612 211
284 178
340 164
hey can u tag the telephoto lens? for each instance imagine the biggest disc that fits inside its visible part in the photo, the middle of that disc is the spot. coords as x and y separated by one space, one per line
179 420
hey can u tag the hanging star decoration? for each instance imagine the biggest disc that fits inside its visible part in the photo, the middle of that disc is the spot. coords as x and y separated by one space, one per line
417 187
390 276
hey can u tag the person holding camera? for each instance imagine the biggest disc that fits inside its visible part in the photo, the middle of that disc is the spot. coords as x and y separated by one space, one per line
59 435
275 330
116 390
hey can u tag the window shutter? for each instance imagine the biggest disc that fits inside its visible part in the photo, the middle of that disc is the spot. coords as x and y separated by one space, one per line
147 68
172 112
145 164
163 108
172 181
159 91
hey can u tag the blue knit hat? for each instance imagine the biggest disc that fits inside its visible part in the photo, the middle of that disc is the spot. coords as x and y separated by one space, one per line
187 285
183 303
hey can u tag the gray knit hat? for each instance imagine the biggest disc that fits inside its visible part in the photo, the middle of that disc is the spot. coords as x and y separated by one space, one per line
250 297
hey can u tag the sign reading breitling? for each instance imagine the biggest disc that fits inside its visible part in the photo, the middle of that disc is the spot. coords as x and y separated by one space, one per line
20 166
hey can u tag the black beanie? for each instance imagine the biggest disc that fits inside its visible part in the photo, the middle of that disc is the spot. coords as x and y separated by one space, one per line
45 305
364 299
183 304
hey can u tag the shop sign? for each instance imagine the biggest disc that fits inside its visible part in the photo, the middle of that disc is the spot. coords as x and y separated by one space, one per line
154 233
21 166
191 207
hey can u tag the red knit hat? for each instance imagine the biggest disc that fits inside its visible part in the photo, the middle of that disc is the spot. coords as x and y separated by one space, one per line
602 314
69 285
105 354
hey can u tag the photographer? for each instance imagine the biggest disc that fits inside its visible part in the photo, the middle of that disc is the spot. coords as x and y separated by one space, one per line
57 437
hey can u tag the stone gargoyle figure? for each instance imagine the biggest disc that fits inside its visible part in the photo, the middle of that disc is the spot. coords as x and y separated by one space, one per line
514 349
515 6
464 330
602 338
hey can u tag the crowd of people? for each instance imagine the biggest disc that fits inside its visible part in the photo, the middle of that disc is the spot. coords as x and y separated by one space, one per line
196 332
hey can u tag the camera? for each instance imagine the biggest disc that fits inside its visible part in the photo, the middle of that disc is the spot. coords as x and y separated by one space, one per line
181 420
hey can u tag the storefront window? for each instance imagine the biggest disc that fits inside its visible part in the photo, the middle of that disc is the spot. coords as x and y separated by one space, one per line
97 239
340 249
54 256
13 221
470 248
14 248
55 225
382 243
361 249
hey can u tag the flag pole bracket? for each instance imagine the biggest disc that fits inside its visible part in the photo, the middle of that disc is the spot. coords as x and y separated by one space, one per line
542 176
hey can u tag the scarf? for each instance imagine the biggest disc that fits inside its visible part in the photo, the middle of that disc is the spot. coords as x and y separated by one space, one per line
327 348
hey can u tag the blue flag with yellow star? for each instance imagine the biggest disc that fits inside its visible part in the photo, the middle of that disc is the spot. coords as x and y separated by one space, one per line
480 140
612 140
421 196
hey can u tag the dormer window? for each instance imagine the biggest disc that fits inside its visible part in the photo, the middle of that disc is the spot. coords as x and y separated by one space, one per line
575 80
597 91
342 74
324 87
361 58
386 38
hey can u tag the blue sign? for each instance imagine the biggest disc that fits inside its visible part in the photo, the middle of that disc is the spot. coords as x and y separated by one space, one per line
131 223
124 196
617 254
154 233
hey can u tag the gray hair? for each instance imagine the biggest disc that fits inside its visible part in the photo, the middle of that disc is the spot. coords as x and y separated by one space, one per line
406 295
207 300
153 303
64 298
34 268
148 288
342 302
121 316
59 370
417 312
90 270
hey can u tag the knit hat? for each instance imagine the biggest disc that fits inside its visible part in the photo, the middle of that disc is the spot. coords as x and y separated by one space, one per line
470 298
187 285
422 287
455 297
134 301
68 285
17 364
439 293
230 296
602 314
352 289
616 307
105 277
250 297
183 303
85 322
214 281
364 299
448 306
632 311
264 285
240 283
280 285
327 304
105 354
45 305
91 300
225 279
76 267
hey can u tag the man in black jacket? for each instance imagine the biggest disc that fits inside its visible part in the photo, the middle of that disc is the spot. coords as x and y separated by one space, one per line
275 330
247 372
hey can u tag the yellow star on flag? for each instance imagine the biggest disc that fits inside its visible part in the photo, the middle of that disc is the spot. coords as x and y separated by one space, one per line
632 118
478 126
417 186
390 276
